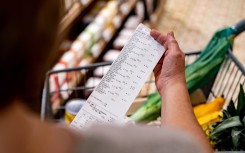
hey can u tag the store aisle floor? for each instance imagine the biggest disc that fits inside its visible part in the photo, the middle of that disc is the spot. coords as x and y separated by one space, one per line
194 22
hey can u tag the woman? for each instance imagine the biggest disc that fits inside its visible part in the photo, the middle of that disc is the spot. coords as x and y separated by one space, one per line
27 34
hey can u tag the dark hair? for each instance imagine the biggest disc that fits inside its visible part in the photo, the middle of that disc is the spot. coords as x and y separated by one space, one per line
27 34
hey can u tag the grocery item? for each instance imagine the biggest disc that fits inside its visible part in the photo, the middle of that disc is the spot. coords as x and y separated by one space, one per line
65 93
208 118
100 71
56 80
205 109
111 55
72 107
149 110
126 32
117 21
140 10
91 83
84 62
65 45
132 22
106 15
124 8
84 2
97 49
108 33
78 47
90 35
69 58
119 42
229 134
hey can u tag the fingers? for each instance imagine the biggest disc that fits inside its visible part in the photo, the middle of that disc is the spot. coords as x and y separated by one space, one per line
158 67
158 36
172 44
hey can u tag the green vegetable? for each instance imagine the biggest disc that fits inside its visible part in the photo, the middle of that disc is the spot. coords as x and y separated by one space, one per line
229 134
231 108
241 104
228 123
235 134
151 105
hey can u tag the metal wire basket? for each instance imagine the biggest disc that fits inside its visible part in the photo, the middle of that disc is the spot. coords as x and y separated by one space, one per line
226 82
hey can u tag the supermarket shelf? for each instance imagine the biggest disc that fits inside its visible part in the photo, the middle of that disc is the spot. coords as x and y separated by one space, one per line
156 15
70 17
76 78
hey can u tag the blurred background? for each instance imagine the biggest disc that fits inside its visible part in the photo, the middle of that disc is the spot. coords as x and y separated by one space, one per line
195 21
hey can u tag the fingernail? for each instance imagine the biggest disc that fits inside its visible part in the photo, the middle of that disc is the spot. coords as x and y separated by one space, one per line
172 33
171 37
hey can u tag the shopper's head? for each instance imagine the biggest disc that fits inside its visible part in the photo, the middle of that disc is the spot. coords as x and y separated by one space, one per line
27 33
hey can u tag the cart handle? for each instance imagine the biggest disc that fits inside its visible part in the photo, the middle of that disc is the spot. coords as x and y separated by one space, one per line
240 27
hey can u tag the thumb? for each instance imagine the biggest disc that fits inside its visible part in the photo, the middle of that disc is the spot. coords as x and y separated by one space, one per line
172 43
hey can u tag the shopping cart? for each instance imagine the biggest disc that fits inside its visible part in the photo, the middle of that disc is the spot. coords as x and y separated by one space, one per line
226 82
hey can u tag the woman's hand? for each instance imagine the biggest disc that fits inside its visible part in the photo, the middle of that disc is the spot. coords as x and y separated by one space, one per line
169 73
171 67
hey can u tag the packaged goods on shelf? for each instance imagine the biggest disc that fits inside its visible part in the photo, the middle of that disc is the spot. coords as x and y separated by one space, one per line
100 24
58 81
108 33
100 71
107 14
117 21
90 16
124 8
119 42
132 22
97 49
65 93
140 10
93 31
78 47
69 59
111 55
65 45
126 32
90 84
90 35
84 62
84 2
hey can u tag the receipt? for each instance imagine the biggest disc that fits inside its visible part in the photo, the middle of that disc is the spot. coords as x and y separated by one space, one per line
113 96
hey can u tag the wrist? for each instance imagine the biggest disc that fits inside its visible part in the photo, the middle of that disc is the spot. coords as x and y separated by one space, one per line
171 83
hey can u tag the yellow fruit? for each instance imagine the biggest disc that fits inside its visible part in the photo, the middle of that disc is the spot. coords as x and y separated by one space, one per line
204 127
212 117
204 109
